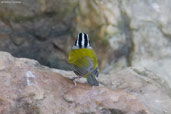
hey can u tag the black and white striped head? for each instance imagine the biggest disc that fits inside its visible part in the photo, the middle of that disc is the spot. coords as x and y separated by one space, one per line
82 42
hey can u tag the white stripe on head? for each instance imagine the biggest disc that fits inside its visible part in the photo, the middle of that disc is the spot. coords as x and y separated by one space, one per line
83 40
77 41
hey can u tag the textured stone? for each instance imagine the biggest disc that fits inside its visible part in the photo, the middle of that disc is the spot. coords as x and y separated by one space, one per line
149 21
99 19
31 31
123 32
153 90
26 87
150 88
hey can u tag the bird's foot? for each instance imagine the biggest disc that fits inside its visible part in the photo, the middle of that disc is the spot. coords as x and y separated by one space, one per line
75 81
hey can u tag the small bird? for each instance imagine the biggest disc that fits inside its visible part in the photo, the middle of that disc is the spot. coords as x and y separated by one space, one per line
83 60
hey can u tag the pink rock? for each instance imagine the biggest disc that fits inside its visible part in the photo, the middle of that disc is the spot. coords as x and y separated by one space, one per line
29 88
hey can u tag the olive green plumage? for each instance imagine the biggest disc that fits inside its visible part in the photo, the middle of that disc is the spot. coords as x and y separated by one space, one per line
83 60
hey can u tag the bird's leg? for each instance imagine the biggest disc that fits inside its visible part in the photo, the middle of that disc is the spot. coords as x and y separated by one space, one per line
75 81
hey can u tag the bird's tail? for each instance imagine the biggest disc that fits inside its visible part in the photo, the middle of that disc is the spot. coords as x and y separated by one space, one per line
92 80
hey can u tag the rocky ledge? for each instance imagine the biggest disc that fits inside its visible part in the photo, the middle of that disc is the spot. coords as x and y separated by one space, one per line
26 87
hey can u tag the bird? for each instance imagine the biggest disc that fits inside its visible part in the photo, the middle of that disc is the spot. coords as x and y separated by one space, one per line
83 60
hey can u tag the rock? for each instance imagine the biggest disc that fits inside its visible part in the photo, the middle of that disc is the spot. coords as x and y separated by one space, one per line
25 30
150 88
26 87
99 19
152 47
123 33
153 90
139 31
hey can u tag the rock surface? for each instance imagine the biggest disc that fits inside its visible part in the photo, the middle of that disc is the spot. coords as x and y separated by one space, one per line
146 85
123 32
152 44
26 87
38 30
150 88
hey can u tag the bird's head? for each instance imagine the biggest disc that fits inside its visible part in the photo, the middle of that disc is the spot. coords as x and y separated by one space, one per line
82 41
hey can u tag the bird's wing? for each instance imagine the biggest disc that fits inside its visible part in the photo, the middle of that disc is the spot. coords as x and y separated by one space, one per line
82 66
96 72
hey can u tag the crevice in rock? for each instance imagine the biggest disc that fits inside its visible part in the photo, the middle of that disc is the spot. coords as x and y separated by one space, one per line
5 19
112 111
88 113
21 19
127 48
167 35
59 49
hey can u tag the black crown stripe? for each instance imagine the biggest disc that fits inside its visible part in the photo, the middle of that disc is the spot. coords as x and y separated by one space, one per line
80 40
85 40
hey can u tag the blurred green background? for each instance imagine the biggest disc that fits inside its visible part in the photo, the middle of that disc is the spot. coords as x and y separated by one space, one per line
123 33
